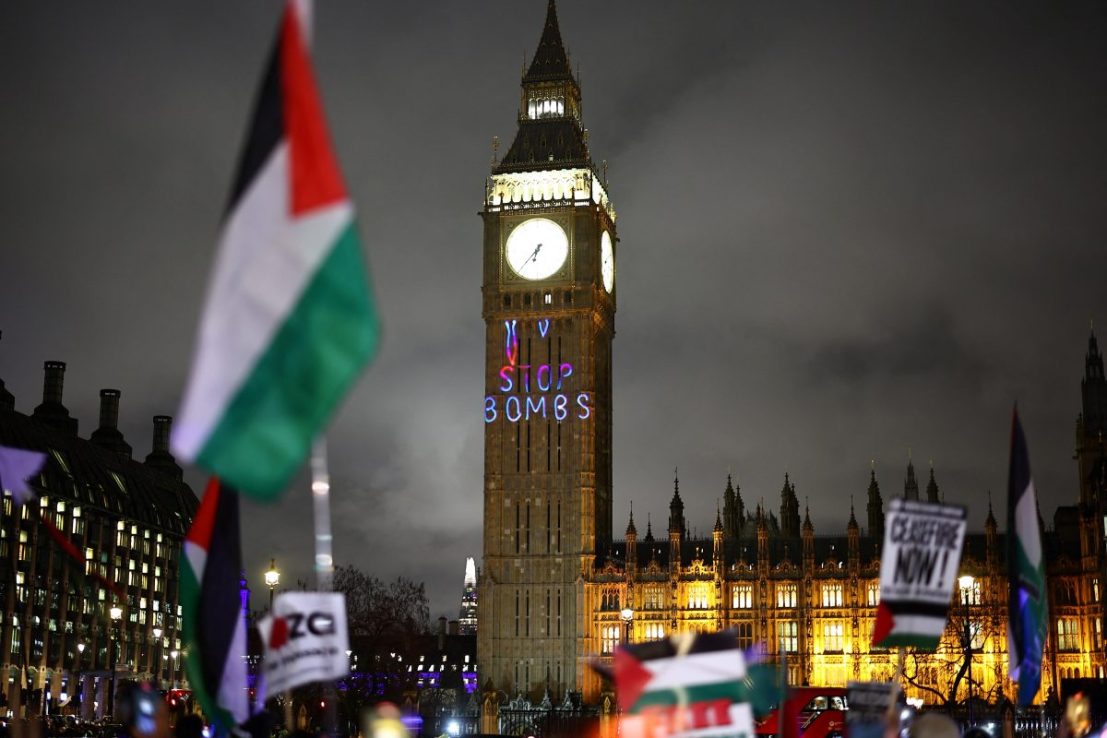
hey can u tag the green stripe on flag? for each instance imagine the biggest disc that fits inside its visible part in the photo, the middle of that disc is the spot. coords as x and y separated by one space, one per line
911 640
733 690
316 354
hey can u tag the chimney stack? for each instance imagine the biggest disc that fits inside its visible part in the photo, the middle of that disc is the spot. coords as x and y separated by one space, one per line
109 408
53 382
52 412
160 458
107 436
7 399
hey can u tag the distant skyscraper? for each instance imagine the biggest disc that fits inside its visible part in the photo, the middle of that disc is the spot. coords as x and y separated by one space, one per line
467 618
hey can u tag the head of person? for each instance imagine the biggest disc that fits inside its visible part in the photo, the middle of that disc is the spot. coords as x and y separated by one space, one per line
933 725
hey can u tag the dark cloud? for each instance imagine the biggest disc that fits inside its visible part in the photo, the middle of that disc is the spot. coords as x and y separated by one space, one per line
846 231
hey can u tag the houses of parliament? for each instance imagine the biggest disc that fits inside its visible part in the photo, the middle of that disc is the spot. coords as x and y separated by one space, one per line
557 589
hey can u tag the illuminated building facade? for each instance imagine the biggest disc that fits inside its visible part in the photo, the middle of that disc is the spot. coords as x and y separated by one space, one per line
127 518
812 598
549 309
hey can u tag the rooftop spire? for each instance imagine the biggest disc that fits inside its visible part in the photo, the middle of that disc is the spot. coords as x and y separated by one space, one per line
932 487
910 485
631 530
649 529
550 62
1093 360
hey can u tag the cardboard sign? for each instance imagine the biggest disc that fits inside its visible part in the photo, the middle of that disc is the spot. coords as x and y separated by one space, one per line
918 567
869 703
305 640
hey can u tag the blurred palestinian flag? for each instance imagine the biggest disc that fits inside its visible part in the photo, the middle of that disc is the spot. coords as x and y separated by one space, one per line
690 685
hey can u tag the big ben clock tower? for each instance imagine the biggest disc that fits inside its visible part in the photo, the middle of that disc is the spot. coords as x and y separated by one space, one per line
549 310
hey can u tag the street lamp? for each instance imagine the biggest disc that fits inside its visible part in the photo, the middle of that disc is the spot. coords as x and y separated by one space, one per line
116 613
272 579
966 582
80 690
628 617
155 652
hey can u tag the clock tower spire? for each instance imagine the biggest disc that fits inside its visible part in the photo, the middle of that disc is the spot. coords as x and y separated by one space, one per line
548 286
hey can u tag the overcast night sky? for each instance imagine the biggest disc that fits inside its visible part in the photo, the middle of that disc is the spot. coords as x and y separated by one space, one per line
846 230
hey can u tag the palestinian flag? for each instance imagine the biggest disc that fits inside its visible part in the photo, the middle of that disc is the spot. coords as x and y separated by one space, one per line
213 609
289 320
1027 606
688 685
918 569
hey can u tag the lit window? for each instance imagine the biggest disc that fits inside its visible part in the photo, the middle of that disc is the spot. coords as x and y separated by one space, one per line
548 299
697 597
832 594
654 599
654 631
610 636
786 595
1068 635
833 637
788 636
743 596
872 594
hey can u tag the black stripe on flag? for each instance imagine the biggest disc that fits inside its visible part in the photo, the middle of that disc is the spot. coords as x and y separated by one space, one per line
266 128
220 601
912 607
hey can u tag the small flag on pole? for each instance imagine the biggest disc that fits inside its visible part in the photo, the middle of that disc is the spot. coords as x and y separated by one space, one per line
1027 606
289 320
213 609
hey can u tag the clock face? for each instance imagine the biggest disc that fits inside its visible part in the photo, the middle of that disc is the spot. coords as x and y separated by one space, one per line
607 261
537 248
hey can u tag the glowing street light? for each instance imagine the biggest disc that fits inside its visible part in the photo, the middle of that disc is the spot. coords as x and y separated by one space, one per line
116 613
628 617
272 579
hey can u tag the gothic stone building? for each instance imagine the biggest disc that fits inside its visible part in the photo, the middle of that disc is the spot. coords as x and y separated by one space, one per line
554 583
127 519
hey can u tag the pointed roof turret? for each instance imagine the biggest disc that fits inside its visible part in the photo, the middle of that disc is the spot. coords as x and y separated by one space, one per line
910 485
932 487
550 62
631 530
852 526
808 526
550 135
718 519
649 529
875 506
1093 360
676 507
990 523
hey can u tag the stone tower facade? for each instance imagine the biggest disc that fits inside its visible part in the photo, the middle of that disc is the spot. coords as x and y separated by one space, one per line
549 308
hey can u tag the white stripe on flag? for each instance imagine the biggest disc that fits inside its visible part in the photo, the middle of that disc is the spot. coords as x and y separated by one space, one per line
232 695
918 624
1026 525
266 259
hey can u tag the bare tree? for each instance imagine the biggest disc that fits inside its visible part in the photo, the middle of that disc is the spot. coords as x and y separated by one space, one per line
387 623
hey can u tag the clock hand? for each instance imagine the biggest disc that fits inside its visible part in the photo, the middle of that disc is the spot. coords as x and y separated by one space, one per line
534 255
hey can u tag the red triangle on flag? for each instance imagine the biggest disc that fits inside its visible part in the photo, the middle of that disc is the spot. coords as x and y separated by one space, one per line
631 678
313 169
885 621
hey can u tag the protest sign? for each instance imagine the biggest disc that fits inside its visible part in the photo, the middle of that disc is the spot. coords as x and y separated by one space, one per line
919 562
869 703
305 639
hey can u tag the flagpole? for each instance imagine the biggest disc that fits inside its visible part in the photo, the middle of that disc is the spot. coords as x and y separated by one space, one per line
324 557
